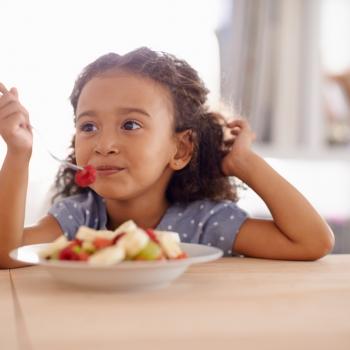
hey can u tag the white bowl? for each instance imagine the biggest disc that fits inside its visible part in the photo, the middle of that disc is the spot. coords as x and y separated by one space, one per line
127 275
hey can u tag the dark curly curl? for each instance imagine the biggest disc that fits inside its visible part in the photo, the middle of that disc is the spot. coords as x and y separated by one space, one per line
202 177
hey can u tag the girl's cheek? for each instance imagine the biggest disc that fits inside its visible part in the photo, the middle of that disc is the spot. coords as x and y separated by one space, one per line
79 153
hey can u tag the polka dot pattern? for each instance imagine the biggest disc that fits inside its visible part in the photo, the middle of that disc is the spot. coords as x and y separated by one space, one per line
203 222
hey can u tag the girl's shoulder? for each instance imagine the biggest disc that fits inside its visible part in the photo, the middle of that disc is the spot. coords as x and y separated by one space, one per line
205 208
88 200
202 212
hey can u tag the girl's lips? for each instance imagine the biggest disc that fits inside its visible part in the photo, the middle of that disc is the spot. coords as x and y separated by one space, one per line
105 170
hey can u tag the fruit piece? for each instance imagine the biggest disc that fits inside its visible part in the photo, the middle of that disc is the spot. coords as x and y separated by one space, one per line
71 252
54 256
118 237
52 250
85 177
107 256
76 249
126 227
169 241
83 256
101 243
183 255
152 235
88 247
152 251
127 242
134 241
89 234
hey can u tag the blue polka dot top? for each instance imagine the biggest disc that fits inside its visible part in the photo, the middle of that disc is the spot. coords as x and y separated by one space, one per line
203 221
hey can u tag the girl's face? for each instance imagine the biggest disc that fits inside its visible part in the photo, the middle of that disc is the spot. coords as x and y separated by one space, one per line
124 129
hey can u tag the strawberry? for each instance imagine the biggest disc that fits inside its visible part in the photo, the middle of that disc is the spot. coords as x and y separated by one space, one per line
85 177
78 241
83 256
152 235
101 243
71 252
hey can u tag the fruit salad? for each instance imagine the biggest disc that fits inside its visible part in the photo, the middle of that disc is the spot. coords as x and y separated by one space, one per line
104 247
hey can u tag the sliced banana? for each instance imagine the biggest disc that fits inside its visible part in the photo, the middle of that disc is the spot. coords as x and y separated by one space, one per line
169 241
134 241
89 234
126 227
108 256
174 235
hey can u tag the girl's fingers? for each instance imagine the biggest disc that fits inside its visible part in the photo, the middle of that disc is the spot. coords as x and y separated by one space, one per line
17 120
10 108
6 99
10 105
25 114
14 91
235 131
239 126
3 89
7 96
241 123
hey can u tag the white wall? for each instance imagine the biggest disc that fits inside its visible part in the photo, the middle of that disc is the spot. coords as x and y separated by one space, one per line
45 44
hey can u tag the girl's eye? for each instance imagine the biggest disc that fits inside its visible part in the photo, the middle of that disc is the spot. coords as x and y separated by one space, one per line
131 125
87 127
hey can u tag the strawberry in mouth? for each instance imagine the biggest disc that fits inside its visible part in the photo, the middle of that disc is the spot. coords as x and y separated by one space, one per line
85 177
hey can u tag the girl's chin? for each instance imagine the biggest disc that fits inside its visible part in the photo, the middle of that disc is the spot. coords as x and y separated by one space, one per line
114 194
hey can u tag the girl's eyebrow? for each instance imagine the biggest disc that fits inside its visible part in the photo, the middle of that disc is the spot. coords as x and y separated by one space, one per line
127 110
89 113
122 110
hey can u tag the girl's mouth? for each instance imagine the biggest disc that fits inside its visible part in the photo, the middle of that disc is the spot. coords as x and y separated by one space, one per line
106 170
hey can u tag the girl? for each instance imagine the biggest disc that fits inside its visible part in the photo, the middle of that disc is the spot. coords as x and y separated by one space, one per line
161 159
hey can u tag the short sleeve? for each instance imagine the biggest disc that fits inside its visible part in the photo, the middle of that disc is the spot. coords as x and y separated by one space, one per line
86 209
222 226
68 216
206 222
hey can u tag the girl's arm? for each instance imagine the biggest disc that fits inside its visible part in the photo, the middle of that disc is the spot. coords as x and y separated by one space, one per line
15 130
297 231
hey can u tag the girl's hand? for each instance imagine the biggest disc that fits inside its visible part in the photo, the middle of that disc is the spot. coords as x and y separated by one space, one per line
239 144
14 122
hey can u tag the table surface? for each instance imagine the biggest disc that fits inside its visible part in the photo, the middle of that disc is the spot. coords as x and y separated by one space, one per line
239 303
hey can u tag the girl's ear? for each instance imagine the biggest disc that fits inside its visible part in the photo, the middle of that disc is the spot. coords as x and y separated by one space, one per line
184 150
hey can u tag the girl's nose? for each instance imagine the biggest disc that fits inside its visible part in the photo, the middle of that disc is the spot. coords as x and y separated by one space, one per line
107 144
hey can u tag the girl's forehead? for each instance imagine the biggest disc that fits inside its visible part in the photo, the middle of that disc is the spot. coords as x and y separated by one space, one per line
125 87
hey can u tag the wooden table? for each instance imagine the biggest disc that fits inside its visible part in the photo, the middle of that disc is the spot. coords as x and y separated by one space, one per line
7 314
232 303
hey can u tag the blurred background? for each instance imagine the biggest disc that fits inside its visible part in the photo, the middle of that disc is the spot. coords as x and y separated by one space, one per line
283 64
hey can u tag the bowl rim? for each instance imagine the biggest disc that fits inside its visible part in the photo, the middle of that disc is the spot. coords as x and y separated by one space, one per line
209 253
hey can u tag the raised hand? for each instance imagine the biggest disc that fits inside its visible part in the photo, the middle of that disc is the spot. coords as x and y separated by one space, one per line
239 145
14 122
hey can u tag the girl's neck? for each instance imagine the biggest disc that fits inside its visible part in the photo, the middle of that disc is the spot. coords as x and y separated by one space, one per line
144 213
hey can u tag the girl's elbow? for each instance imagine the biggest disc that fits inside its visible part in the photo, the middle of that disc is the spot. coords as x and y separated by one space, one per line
324 247
329 241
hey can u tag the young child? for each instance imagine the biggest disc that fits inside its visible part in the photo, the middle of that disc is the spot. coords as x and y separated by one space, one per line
162 160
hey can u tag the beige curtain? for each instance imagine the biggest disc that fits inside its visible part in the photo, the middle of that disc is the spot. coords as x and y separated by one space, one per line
270 69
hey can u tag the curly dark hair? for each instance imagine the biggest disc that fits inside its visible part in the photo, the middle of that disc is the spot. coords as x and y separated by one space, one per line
202 177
